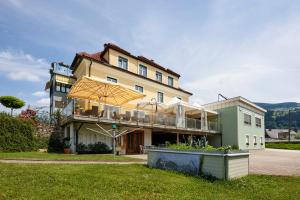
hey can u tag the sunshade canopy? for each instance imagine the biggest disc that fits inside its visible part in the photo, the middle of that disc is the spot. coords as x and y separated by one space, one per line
107 92
189 109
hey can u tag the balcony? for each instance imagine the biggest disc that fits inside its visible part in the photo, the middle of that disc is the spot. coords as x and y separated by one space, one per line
148 117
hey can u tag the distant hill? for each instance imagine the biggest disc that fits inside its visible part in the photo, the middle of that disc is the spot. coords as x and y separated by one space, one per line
277 114
279 106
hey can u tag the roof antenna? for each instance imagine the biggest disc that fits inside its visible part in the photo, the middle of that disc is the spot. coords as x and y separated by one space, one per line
220 95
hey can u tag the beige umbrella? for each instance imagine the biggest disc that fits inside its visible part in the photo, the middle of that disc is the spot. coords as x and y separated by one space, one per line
110 93
100 90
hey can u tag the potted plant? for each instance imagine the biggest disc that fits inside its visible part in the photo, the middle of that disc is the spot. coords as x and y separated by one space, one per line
67 145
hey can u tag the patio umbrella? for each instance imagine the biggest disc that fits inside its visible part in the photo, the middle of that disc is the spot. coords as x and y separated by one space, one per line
100 90
110 93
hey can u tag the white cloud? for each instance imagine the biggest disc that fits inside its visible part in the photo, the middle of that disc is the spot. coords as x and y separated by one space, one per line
21 66
43 102
40 93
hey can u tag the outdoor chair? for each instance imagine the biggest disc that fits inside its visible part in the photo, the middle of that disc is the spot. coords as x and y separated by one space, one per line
94 111
116 115
127 116
147 119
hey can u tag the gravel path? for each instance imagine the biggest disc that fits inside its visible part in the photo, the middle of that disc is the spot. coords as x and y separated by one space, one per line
68 162
275 162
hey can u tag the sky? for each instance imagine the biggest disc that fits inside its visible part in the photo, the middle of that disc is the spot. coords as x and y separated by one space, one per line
233 47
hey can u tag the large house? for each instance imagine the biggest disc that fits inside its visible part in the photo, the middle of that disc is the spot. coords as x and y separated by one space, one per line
159 112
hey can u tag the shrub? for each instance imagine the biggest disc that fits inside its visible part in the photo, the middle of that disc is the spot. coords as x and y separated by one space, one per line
206 148
41 142
16 134
56 143
98 147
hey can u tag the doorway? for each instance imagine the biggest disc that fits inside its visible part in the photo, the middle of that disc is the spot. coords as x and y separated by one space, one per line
134 140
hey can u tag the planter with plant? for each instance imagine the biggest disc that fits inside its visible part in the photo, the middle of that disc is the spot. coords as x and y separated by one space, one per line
67 145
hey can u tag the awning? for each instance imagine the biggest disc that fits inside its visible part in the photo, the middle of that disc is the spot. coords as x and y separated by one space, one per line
107 92
189 109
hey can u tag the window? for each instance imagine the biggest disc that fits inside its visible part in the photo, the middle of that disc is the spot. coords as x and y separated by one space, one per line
261 140
63 88
258 122
143 70
160 97
112 79
247 119
247 139
57 88
254 140
139 88
60 87
123 63
159 76
68 88
170 81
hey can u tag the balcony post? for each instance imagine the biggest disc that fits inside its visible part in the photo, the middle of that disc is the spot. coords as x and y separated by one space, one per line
206 125
202 120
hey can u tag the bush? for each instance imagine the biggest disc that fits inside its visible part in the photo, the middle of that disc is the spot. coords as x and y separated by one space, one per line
41 142
99 147
56 143
16 134
206 148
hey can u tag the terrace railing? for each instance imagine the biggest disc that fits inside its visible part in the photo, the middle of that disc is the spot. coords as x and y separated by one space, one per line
135 116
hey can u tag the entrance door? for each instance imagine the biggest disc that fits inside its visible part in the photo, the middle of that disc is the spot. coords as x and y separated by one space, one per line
134 140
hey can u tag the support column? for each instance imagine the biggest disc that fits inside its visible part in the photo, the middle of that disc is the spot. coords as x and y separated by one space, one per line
205 120
202 120
65 131
177 139
72 138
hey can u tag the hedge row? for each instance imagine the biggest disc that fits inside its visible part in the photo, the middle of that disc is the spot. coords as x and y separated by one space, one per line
16 134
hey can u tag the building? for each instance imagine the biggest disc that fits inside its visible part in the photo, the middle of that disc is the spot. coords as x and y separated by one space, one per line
241 123
280 134
162 114
61 80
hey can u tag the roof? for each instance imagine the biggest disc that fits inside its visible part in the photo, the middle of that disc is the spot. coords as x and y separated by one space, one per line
239 98
99 57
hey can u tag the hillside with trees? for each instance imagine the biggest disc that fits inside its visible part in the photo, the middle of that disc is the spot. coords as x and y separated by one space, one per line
278 115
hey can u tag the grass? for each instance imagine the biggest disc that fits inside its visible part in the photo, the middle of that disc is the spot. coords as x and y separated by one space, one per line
283 146
61 156
24 181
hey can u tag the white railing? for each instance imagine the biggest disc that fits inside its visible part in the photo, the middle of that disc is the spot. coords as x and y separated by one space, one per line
135 116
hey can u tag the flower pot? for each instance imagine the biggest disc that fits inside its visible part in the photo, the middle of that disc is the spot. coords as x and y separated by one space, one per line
67 150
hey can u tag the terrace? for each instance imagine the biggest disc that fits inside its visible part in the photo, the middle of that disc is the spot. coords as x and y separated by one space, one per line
178 116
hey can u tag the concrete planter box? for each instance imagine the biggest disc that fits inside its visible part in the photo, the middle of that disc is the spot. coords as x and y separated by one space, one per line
218 164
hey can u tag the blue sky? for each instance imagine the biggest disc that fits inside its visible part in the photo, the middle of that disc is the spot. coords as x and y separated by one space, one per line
248 48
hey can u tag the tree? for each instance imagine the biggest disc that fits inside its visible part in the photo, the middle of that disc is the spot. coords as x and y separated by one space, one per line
11 102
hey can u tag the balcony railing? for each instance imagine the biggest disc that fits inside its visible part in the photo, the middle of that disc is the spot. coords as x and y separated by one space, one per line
136 116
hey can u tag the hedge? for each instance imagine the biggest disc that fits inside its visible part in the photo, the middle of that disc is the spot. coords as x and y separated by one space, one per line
16 134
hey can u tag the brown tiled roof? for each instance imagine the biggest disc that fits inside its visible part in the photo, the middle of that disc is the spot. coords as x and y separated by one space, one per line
140 58
96 56
80 56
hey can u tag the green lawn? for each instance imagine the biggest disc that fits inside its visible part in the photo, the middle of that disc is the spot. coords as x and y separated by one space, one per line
24 181
283 146
61 156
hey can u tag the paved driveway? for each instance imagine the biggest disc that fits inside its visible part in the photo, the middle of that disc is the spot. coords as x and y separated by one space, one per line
275 162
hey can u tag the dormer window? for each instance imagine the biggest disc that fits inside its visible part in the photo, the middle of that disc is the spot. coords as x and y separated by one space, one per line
123 63
143 70
159 76
170 81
